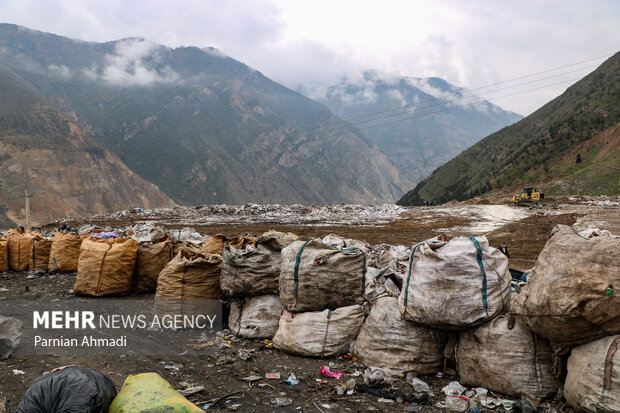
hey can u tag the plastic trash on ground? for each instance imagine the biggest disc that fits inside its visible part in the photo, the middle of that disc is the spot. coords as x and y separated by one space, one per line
149 392
70 389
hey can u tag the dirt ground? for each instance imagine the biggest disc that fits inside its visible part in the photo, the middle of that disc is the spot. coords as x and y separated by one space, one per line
525 237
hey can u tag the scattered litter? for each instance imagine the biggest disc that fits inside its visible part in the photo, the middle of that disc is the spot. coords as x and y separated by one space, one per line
171 367
292 380
226 359
18 372
281 401
458 404
375 376
191 390
325 371
252 378
272 376
454 388
245 354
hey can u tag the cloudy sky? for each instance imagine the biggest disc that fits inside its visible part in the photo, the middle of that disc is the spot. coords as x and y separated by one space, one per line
300 42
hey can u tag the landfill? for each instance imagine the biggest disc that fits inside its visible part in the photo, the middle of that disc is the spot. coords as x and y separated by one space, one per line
343 320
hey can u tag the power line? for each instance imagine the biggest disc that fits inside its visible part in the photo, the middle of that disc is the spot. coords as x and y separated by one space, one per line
349 120
409 109
457 106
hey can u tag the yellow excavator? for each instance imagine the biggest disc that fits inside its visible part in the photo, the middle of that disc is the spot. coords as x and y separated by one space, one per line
529 196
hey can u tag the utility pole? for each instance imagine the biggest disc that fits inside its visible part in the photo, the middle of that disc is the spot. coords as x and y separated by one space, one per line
27 197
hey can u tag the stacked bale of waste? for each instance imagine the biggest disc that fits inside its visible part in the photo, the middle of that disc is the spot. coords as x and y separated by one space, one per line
186 282
506 360
571 300
19 246
321 289
4 255
398 346
152 258
593 376
250 279
40 254
65 252
106 267
455 285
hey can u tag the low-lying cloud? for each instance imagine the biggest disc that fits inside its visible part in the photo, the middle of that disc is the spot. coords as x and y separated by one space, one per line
132 65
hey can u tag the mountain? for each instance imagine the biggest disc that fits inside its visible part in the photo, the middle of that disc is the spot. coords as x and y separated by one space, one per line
541 149
68 172
432 136
202 126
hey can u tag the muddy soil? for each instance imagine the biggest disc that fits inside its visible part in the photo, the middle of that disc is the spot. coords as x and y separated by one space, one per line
525 238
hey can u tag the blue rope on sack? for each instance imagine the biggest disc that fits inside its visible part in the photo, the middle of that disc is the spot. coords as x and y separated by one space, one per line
484 274
296 272
413 250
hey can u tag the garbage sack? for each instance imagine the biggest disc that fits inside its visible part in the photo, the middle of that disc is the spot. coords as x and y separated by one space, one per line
149 392
508 361
242 241
342 243
319 334
455 285
11 330
187 235
284 238
152 258
4 255
106 267
572 295
190 277
39 254
19 248
381 282
395 257
398 346
147 232
593 376
178 246
214 244
251 272
65 252
255 317
315 276
70 389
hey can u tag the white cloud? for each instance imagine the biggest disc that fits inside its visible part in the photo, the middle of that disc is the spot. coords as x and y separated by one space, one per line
131 65
470 43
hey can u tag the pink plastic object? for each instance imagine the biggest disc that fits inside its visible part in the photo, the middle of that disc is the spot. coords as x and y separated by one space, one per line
334 374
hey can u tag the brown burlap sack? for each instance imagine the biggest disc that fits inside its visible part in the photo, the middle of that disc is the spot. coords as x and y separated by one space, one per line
190 277
593 378
398 346
65 252
152 259
214 244
319 334
106 267
315 276
515 362
242 241
284 238
247 273
19 248
255 317
455 285
572 295
40 255
4 255
190 247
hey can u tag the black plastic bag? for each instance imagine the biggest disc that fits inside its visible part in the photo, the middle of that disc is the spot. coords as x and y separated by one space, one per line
69 390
